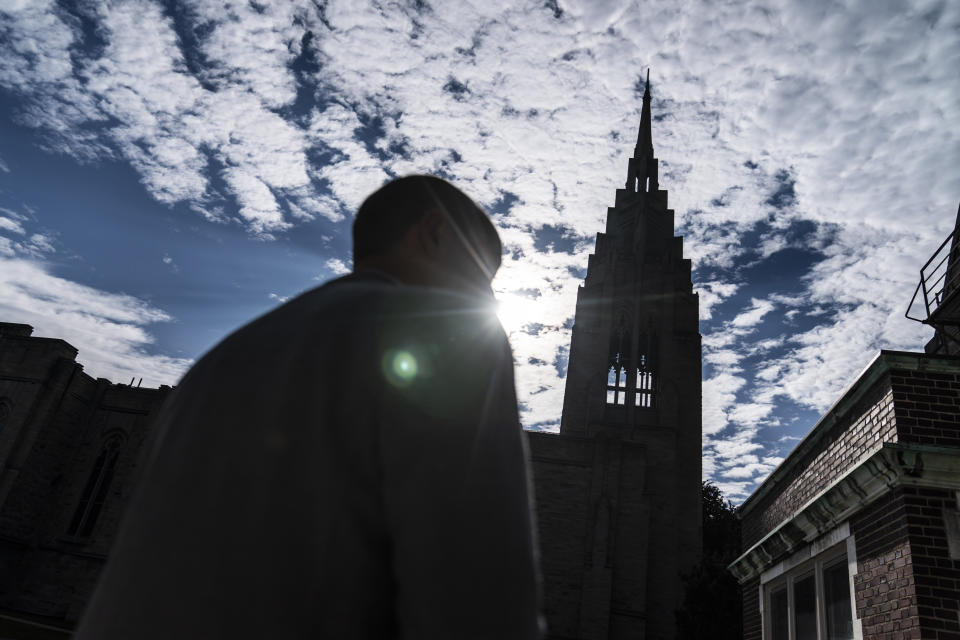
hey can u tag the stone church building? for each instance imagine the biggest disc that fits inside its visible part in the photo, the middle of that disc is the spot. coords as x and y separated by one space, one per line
617 489
70 446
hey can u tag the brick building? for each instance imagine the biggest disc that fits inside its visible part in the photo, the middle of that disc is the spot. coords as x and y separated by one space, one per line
857 533
618 489
69 448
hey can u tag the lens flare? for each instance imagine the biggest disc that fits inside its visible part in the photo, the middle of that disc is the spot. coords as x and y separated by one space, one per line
400 367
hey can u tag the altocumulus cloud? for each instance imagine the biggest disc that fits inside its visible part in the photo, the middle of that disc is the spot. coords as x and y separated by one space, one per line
781 126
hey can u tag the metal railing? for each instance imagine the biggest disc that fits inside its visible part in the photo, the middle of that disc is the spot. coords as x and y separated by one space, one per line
939 280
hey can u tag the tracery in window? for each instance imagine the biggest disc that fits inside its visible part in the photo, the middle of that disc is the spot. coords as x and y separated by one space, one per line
618 367
96 489
617 381
646 385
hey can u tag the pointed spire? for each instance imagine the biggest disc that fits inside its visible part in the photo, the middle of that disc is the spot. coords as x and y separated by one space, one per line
644 147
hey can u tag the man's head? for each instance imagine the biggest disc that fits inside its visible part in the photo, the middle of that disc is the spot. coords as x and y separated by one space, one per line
425 231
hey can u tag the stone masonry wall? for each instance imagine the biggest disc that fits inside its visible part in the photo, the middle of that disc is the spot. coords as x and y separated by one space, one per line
55 432
849 441
561 475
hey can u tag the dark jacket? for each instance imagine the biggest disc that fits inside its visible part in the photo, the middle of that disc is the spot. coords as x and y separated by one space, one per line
350 465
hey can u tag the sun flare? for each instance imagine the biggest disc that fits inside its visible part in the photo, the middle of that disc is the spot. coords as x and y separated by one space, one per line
514 312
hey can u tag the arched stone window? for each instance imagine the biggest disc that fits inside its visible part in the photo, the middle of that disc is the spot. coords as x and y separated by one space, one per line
645 396
618 367
617 381
646 384
96 489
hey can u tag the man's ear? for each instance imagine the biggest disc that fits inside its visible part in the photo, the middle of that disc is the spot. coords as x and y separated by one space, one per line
430 233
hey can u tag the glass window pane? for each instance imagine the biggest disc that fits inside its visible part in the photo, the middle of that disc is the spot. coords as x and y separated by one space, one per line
610 397
611 377
778 615
805 608
836 586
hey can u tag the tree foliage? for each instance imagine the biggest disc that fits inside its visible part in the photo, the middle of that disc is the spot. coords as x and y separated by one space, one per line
711 606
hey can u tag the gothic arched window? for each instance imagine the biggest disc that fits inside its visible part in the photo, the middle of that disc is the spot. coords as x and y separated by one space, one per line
617 367
646 385
95 490
617 381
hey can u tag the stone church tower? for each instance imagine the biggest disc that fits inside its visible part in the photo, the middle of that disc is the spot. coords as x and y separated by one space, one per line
618 490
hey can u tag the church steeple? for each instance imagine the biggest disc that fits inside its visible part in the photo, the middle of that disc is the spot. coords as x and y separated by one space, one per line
636 319
644 148
642 169
618 489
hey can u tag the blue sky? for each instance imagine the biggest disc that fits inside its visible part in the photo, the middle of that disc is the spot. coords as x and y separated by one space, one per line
169 171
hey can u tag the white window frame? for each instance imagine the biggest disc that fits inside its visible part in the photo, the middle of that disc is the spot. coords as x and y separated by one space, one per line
824 552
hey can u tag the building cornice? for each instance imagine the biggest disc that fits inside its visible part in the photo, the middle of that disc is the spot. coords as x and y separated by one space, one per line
882 363
892 465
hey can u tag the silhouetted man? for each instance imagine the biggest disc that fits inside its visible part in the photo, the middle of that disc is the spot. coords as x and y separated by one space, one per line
350 465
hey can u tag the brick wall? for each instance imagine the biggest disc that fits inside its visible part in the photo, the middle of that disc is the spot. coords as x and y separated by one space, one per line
927 407
884 586
849 441
937 575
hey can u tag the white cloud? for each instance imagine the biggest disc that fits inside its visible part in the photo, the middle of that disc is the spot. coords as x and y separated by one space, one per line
109 330
713 293
719 397
171 264
12 226
753 316
40 243
172 126
337 266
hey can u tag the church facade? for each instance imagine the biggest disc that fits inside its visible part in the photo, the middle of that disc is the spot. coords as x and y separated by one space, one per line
618 489
70 449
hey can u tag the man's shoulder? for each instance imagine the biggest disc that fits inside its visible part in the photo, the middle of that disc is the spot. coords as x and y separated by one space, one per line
366 307
338 302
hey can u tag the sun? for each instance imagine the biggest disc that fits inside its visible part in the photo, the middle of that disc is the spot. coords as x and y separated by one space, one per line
514 312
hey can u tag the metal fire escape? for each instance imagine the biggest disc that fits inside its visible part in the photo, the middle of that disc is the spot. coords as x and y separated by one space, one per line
939 293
